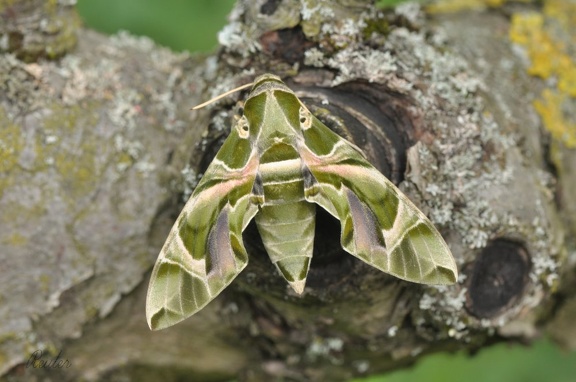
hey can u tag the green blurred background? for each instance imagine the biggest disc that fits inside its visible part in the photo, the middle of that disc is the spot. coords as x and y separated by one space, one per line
193 26
178 24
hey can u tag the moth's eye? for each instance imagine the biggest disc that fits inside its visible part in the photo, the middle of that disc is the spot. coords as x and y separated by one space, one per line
243 127
240 110
305 118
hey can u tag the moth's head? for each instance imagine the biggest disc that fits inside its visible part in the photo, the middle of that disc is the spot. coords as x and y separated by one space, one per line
267 77
273 111
267 83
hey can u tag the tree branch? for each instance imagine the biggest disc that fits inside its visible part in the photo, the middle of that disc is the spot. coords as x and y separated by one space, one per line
93 149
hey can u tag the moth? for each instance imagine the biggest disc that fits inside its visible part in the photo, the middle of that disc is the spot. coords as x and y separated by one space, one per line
276 165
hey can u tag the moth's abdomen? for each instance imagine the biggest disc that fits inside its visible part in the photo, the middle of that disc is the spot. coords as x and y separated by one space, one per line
286 221
289 242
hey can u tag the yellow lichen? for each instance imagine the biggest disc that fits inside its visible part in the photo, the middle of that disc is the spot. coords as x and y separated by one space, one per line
75 159
16 240
45 281
451 6
11 145
124 160
550 58
562 11
547 56
6 3
552 117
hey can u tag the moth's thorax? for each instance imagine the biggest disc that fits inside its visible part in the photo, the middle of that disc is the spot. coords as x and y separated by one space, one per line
272 112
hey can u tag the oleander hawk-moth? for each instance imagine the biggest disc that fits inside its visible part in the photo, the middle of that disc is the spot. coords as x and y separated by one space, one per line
276 165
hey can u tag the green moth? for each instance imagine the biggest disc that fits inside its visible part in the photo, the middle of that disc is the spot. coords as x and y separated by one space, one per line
276 165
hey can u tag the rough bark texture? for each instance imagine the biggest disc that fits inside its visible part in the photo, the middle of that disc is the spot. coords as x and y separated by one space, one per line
98 148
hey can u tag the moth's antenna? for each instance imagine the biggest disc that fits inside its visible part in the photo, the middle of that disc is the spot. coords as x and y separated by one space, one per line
222 96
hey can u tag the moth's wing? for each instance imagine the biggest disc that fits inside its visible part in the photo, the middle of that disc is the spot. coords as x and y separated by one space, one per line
379 224
204 251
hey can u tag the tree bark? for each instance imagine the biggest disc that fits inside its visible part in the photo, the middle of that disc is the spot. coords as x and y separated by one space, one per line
98 151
